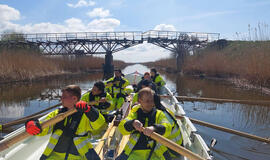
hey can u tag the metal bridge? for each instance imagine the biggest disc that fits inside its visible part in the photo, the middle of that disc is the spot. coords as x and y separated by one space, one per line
83 43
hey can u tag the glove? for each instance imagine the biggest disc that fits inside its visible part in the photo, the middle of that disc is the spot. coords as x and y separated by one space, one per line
33 127
82 106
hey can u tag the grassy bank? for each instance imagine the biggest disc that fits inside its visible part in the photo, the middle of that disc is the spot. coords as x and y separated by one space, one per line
24 65
246 60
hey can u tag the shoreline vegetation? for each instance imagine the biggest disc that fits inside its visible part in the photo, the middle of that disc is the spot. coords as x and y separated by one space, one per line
244 63
27 66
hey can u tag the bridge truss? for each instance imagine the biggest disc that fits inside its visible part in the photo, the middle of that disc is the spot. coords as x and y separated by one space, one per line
76 43
83 43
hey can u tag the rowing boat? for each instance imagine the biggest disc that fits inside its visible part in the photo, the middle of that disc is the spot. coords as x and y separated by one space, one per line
112 143
192 140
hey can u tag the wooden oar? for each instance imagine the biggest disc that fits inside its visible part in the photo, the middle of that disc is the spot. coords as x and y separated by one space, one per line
243 134
5 126
8 143
107 136
35 115
175 147
100 145
202 99
24 119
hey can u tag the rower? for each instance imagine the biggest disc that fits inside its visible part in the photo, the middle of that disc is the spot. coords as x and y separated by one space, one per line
144 83
100 99
146 76
158 80
176 134
70 137
116 87
140 146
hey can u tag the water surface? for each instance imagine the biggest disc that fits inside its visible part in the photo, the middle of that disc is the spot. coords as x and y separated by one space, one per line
20 100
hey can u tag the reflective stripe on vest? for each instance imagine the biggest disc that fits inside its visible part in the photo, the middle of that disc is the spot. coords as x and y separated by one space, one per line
115 91
160 149
131 143
52 142
176 134
82 144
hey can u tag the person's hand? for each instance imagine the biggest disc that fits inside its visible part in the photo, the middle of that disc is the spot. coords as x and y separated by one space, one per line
137 125
148 130
103 100
33 127
82 106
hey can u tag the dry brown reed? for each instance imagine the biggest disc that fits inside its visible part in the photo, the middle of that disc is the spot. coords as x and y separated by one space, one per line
24 65
247 60
240 59
169 64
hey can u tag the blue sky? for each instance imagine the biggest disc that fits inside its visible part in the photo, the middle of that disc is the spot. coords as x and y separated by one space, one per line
224 17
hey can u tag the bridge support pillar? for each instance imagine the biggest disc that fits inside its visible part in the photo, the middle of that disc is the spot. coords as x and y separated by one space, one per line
108 68
179 62
181 52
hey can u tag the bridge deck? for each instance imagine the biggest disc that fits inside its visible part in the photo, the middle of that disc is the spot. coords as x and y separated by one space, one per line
103 42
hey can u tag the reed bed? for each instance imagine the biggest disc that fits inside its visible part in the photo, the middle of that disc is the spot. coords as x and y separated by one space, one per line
247 60
168 64
24 65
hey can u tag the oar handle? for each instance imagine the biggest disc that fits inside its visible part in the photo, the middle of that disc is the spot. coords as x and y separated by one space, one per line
243 134
8 143
58 118
24 119
175 147
20 121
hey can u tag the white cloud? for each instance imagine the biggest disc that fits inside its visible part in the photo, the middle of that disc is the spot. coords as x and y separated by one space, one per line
7 13
82 3
44 27
71 25
165 27
75 24
103 24
99 12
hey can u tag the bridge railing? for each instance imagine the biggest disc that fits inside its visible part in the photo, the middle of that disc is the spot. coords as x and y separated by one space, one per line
188 36
55 37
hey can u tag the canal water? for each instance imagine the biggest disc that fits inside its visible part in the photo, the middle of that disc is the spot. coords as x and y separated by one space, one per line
20 100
